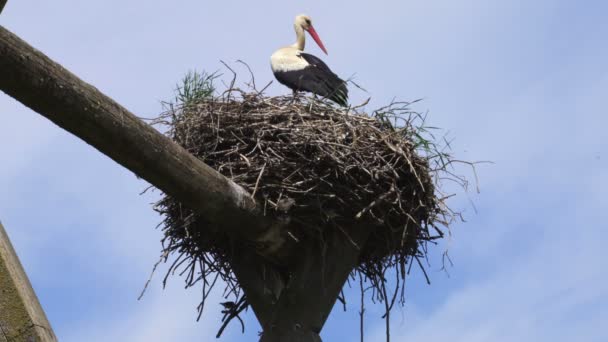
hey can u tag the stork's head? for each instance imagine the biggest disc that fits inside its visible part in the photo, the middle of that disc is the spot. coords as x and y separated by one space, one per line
304 22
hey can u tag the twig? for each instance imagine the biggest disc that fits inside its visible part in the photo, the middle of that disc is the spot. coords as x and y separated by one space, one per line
426 276
250 73
231 311
230 87
363 104
362 310
257 181
387 313
163 257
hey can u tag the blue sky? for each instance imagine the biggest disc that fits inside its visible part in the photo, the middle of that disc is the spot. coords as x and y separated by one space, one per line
520 83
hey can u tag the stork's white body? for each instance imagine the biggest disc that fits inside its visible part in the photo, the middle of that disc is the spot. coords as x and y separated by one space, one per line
287 59
301 71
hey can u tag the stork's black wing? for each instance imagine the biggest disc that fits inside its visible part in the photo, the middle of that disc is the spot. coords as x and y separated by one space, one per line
319 79
317 62
316 78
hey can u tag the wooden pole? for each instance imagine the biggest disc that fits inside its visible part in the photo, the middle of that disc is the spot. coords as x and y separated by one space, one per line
21 316
314 286
261 281
52 91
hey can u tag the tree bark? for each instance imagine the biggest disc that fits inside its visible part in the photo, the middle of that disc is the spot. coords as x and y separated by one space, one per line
21 316
261 281
46 87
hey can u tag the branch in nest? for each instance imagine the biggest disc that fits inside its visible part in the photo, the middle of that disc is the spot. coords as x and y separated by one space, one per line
231 311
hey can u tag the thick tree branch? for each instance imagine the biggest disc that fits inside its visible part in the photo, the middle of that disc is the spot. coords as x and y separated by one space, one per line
47 88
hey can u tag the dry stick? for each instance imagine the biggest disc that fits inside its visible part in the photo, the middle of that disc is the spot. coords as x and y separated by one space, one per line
362 311
426 276
47 88
250 74
257 182
230 88
388 310
342 299
232 310
143 291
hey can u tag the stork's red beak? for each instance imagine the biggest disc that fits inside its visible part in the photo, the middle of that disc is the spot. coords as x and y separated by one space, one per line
315 36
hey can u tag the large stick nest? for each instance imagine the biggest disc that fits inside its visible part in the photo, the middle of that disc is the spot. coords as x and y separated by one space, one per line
324 167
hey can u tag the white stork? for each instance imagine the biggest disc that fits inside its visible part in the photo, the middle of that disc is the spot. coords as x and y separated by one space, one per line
304 72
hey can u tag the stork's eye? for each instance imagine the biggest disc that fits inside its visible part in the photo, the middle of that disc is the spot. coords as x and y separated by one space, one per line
308 21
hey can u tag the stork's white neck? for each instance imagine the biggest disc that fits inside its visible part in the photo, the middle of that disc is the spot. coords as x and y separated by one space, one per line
301 38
